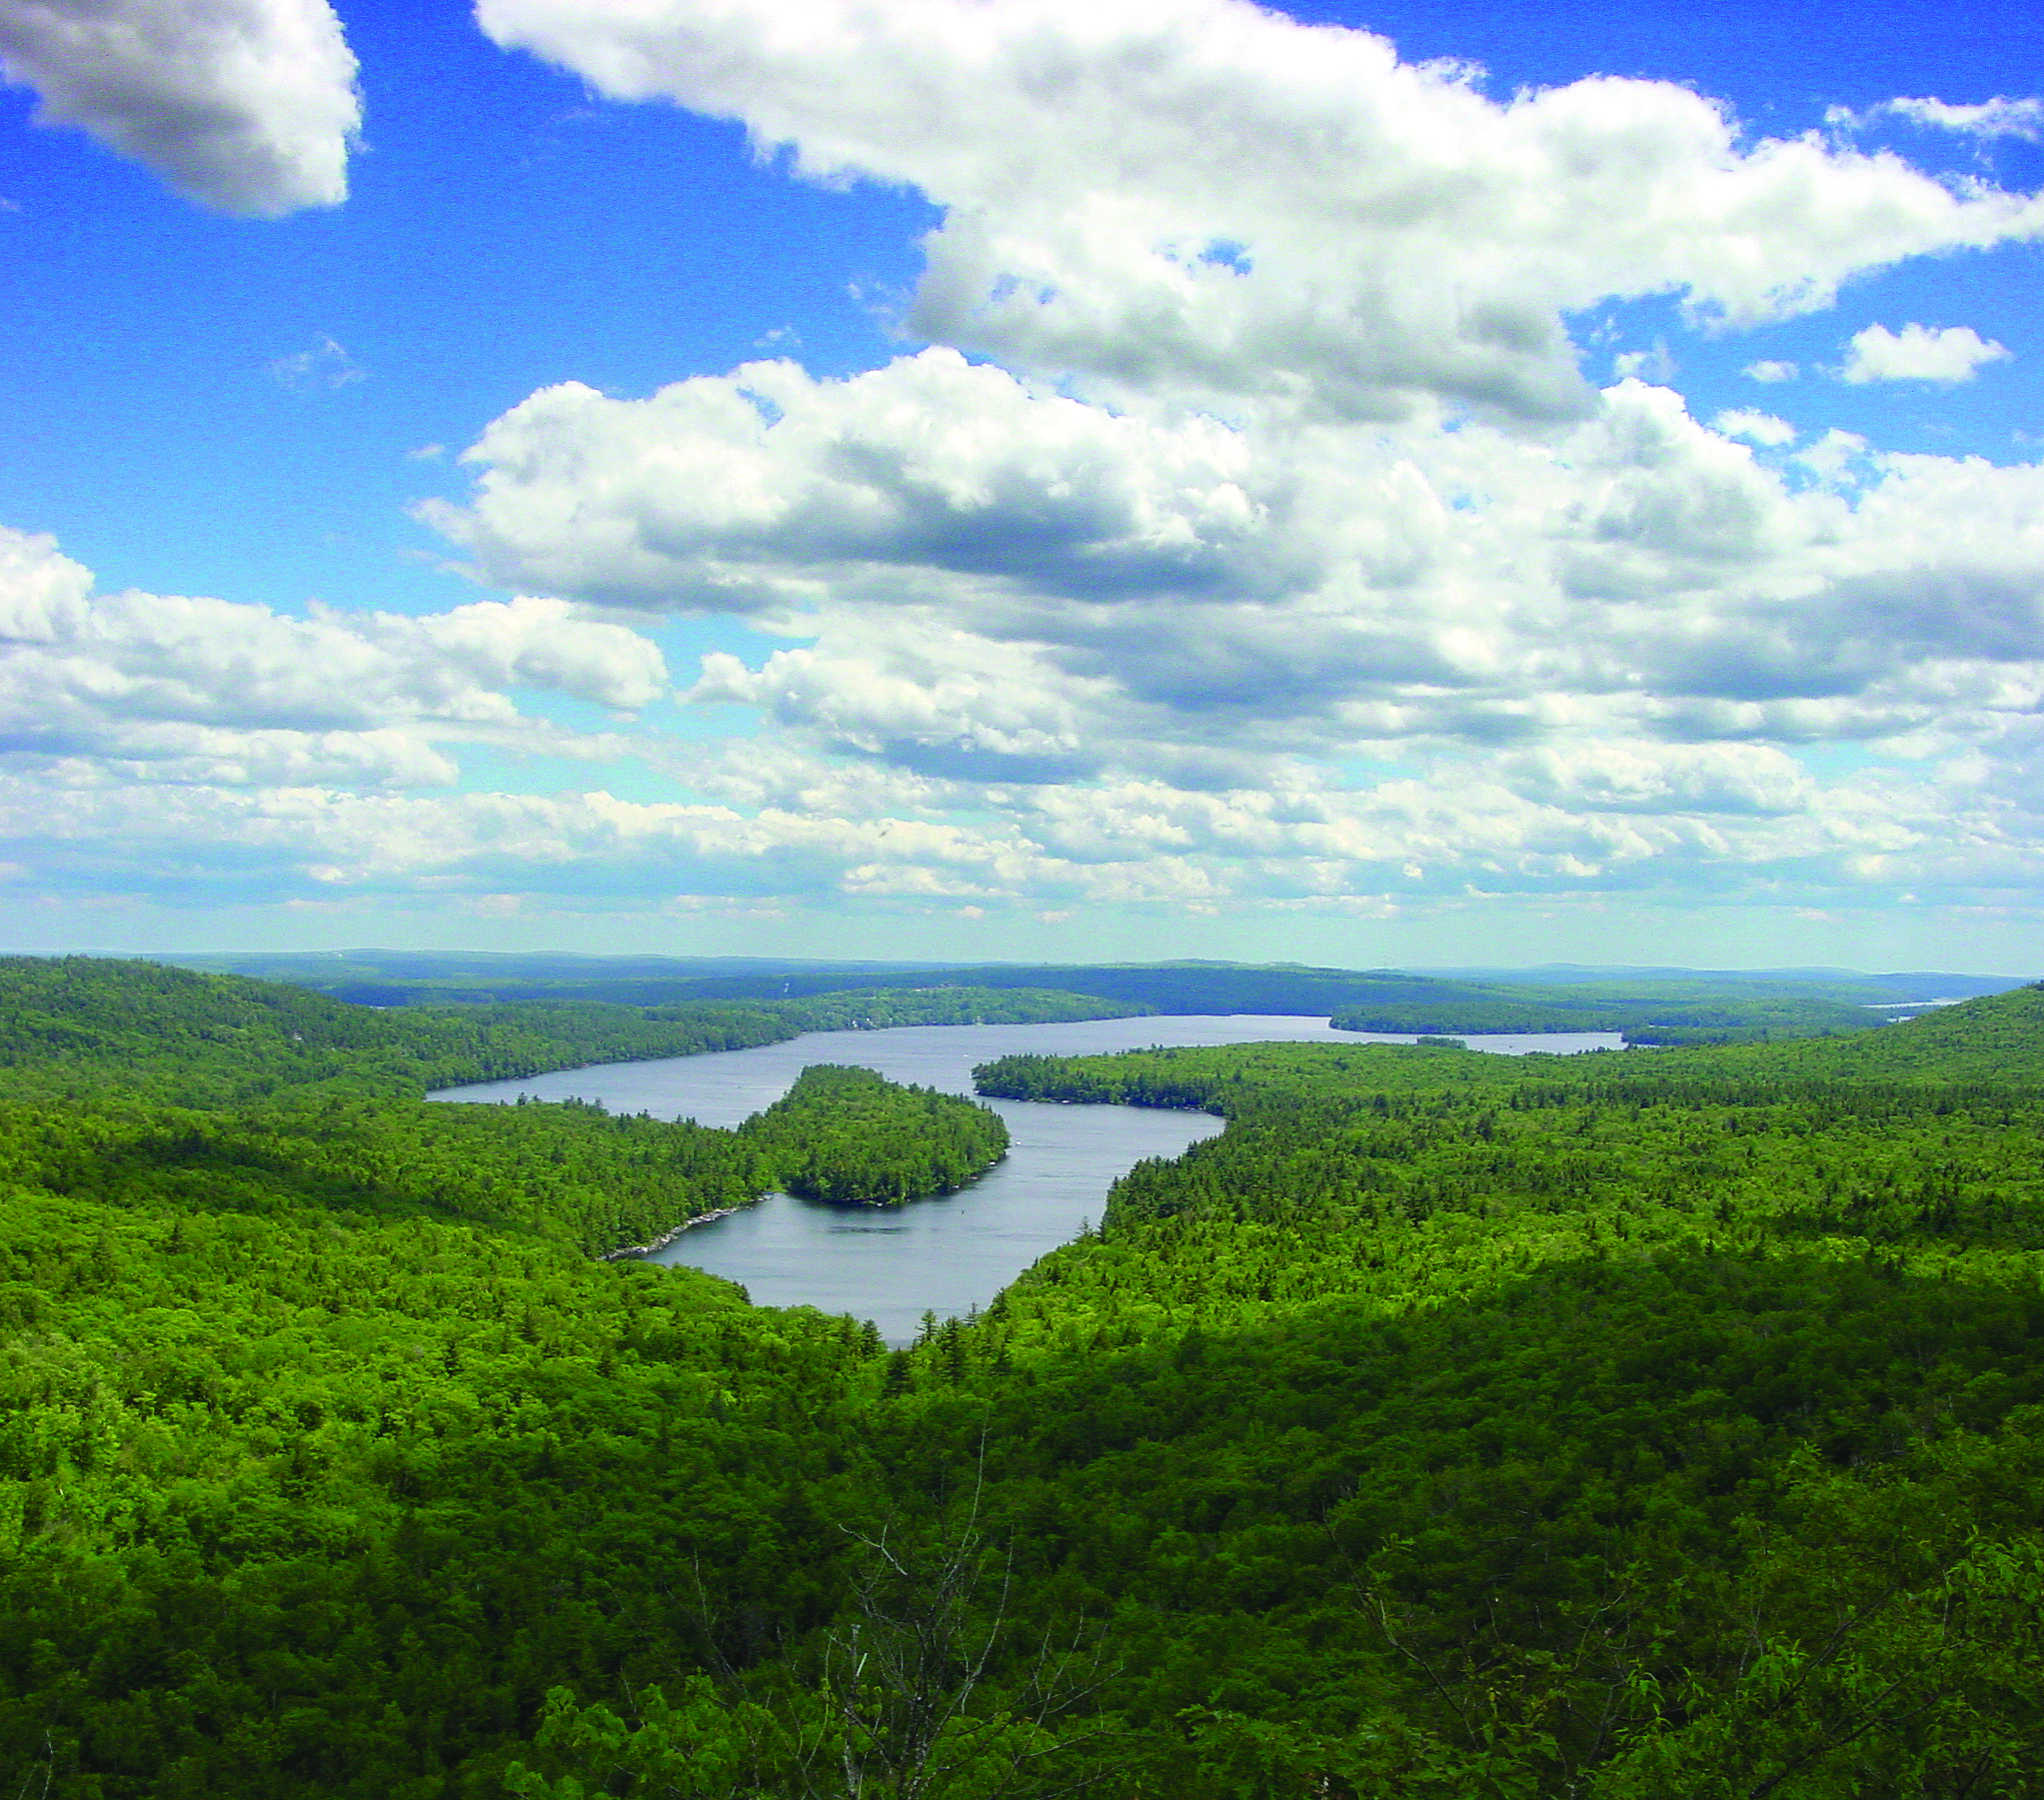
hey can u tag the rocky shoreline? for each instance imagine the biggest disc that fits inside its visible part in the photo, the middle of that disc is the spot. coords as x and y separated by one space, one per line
665 1238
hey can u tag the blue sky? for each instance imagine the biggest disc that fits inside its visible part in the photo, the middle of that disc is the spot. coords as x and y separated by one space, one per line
1043 480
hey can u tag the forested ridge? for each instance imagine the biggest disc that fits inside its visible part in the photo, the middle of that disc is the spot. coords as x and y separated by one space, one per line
90 1028
1636 1426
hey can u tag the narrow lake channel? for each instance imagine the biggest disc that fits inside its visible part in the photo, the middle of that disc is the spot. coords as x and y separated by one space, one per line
949 1253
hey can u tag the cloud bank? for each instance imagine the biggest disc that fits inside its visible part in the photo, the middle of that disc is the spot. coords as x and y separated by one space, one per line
1246 534
152 689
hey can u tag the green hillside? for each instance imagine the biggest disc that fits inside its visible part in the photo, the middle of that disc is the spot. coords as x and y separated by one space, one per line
1998 1038
1636 1426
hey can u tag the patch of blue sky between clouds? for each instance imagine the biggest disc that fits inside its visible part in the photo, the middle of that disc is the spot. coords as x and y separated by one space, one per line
1839 760
482 254
490 769
1993 292
1373 772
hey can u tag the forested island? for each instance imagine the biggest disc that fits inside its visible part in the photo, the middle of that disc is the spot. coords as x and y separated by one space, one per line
1632 1426
848 1136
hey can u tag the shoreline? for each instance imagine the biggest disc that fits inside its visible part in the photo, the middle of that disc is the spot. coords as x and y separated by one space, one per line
624 1252
666 1237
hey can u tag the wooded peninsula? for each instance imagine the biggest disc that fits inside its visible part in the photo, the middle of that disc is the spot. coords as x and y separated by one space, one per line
1634 1425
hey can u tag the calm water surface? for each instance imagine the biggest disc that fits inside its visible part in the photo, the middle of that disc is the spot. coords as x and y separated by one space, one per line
950 1252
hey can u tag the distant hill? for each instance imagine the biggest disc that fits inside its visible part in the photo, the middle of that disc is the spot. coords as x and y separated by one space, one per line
1907 985
1649 1005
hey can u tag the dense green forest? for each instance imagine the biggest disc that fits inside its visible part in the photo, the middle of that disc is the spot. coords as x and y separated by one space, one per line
1644 1424
847 1136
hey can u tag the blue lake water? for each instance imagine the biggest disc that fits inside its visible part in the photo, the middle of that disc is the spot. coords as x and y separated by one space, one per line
950 1252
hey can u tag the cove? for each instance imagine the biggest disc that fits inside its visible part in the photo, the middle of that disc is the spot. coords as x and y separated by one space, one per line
950 1252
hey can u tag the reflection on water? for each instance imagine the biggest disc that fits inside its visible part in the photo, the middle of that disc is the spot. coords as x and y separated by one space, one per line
950 1252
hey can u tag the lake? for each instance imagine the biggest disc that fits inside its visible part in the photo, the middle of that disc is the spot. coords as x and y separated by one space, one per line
949 1253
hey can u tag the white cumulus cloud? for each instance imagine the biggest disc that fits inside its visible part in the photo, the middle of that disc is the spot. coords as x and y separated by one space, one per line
733 493
246 106
1919 353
